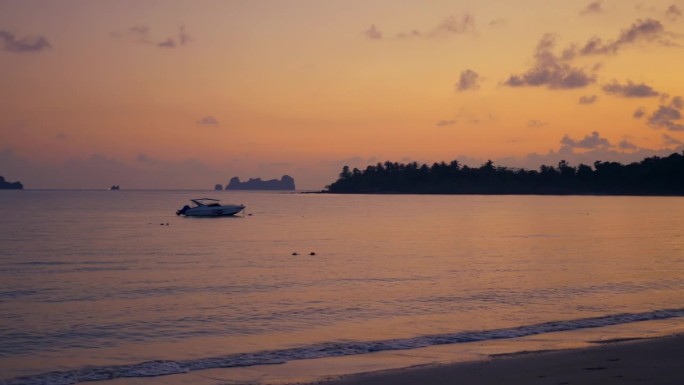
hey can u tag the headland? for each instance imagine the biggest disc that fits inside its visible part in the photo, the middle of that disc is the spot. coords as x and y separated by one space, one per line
286 183
5 185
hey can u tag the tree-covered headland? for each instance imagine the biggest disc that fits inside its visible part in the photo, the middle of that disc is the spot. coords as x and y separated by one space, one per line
651 176
5 185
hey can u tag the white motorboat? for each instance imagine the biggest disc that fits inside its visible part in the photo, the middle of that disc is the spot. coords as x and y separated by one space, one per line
207 207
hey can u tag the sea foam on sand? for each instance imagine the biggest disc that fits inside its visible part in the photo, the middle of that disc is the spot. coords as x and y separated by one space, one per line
649 361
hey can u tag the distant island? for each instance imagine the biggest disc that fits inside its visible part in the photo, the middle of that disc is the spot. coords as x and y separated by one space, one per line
5 185
651 176
284 183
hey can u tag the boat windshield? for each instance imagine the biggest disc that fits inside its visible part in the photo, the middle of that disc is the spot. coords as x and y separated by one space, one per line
206 202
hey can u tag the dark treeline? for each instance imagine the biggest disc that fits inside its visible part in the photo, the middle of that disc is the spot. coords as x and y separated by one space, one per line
651 176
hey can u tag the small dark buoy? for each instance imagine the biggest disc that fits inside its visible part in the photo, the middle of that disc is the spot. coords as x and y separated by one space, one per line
167 223
161 224
312 253
295 253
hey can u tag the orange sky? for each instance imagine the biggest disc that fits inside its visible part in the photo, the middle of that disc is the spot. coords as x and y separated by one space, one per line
186 94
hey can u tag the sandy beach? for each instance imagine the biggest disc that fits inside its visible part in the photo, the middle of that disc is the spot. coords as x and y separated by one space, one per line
648 361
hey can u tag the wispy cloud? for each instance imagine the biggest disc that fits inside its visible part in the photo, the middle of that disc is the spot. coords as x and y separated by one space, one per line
536 123
648 30
551 70
208 121
444 123
589 156
142 34
451 26
142 158
469 80
498 23
593 7
639 113
455 25
11 43
557 70
627 145
670 141
589 99
673 12
668 116
591 141
630 90
168 43
373 33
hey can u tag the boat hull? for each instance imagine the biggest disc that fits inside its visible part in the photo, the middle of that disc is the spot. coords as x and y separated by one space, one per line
214 211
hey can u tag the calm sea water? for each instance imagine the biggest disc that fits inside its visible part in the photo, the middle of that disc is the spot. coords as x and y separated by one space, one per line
100 285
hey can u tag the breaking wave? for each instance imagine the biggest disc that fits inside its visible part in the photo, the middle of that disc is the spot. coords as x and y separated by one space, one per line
328 349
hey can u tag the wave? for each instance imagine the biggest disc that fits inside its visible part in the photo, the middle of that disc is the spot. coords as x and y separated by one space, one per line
328 349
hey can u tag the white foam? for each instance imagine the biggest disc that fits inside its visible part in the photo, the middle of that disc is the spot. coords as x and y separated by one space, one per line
330 349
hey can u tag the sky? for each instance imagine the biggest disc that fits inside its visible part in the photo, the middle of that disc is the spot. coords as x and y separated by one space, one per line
186 94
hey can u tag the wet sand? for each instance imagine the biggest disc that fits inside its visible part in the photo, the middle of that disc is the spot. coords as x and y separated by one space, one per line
646 361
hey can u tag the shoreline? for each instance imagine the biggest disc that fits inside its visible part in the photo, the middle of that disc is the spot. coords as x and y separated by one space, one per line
650 352
442 364
656 360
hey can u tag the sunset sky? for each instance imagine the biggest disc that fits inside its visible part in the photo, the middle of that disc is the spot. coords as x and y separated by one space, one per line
186 94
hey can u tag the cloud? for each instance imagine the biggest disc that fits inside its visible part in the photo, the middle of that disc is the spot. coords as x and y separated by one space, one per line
168 43
639 113
413 33
642 30
590 99
594 7
673 12
630 90
536 123
373 33
10 43
551 70
208 121
469 80
444 123
627 145
183 37
139 30
588 157
142 158
670 141
453 25
99 171
668 116
497 23
592 141
141 34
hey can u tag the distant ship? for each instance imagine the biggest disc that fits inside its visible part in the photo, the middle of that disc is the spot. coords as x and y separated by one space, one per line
114 187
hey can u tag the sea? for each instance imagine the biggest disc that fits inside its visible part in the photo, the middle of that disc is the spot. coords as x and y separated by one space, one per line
111 287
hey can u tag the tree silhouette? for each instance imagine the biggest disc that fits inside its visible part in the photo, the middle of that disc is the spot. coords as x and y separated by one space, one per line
651 176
